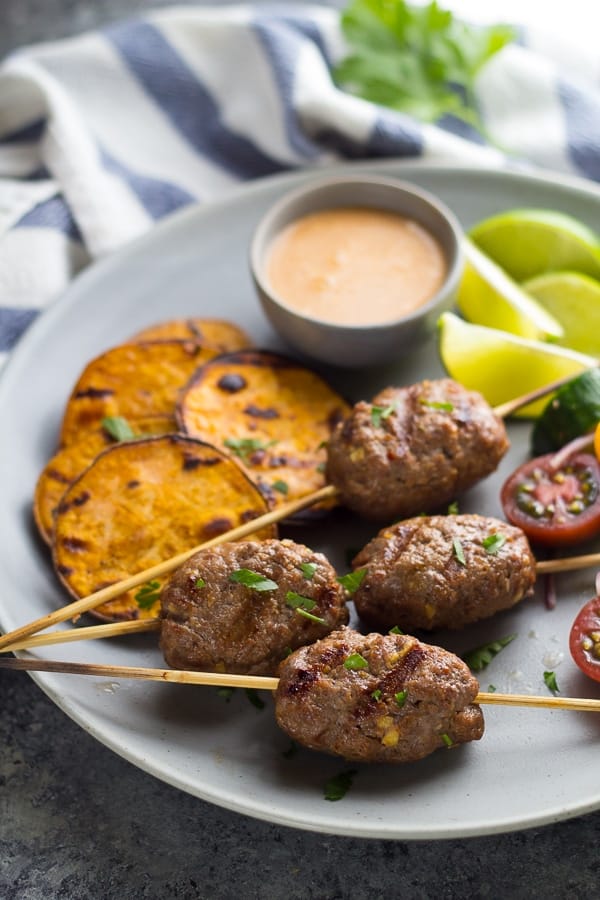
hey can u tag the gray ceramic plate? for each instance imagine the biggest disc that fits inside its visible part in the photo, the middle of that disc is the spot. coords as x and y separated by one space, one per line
531 767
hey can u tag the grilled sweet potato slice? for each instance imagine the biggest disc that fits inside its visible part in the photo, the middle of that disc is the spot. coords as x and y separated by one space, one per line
135 381
68 464
141 502
217 334
270 412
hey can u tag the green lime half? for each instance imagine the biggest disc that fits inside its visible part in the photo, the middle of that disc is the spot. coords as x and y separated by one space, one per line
528 242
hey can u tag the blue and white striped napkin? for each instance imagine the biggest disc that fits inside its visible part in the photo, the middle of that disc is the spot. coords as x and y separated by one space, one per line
104 134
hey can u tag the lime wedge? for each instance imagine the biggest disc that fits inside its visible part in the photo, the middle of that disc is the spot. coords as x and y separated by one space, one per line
574 299
488 296
528 242
503 366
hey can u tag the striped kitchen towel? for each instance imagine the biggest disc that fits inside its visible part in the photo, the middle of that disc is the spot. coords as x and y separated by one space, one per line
104 134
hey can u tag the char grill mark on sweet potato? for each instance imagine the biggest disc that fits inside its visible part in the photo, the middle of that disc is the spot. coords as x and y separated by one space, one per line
173 507
135 381
269 412
216 334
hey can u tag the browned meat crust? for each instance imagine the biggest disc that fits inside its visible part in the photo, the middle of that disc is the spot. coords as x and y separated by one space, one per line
409 700
212 623
413 449
416 577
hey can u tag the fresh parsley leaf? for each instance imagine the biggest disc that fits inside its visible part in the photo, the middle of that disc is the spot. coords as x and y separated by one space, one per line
493 542
148 594
308 615
379 413
421 60
453 508
297 601
355 662
395 630
479 658
400 698
226 693
446 739
376 695
253 580
118 428
199 583
308 570
437 404
337 787
550 682
459 553
353 580
281 486
491 688
254 698
245 447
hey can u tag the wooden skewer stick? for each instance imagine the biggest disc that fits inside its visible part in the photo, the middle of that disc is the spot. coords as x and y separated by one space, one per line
511 406
163 568
116 629
114 590
92 632
257 682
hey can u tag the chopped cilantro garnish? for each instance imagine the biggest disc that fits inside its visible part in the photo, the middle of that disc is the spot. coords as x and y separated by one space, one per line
226 693
491 688
446 739
245 447
493 542
400 698
459 553
355 662
479 658
453 508
352 581
253 580
297 601
308 615
395 630
199 583
379 413
550 682
308 570
437 404
254 698
376 695
337 787
281 486
118 428
147 595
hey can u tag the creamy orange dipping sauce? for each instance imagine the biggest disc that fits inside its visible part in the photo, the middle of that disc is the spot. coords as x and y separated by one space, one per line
355 266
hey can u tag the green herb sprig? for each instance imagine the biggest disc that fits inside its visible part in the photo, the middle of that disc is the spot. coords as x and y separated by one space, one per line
253 580
148 595
245 447
420 60
353 580
338 786
479 658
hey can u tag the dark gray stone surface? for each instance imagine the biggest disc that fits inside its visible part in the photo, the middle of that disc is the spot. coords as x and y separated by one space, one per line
76 821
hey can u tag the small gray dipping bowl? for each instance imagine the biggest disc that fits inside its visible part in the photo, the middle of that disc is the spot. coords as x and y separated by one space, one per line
354 346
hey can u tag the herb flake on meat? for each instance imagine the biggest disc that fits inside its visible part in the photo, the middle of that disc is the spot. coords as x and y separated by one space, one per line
479 658
459 553
253 580
353 580
494 542
355 662
199 583
400 698
308 570
379 414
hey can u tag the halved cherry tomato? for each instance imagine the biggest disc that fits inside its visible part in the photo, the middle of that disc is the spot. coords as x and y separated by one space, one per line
555 506
584 639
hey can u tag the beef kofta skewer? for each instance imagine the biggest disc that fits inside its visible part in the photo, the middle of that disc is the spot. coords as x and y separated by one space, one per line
462 410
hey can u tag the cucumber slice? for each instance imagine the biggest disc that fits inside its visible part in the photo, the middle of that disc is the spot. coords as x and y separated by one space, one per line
574 410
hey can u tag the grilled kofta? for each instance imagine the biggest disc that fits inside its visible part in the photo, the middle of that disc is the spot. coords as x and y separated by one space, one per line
241 607
377 698
413 449
442 572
